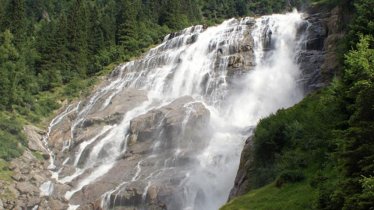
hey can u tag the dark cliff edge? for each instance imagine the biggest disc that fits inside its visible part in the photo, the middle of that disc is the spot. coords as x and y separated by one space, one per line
319 63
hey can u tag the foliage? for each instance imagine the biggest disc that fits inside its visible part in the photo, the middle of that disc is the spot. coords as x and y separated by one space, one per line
11 137
287 142
289 176
5 173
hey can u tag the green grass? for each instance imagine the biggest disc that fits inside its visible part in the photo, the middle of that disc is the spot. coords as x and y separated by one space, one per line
291 196
5 173
38 155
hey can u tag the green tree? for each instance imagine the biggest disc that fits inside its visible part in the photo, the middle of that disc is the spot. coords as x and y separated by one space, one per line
13 72
359 78
15 20
127 35
363 22
173 16
77 39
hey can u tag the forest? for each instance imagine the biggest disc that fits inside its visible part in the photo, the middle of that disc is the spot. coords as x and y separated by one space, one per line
53 50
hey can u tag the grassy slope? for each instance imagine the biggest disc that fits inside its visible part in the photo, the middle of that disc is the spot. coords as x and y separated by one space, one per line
291 196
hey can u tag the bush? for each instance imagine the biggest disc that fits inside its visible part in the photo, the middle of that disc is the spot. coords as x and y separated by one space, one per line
289 177
11 137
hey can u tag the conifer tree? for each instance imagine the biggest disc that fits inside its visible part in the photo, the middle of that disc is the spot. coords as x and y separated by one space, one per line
127 25
15 20
13 73
77 38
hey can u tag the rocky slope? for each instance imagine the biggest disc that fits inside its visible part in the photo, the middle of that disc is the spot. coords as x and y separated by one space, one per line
29 172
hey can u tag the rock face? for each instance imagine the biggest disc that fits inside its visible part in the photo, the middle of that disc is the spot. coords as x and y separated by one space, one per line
34 137
241 181
103 112
165 127
318 61
240 56
169 118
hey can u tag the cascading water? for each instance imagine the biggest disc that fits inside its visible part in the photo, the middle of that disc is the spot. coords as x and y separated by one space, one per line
166 131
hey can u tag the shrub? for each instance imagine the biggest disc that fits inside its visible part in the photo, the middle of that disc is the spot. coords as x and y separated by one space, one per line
289 177
11 137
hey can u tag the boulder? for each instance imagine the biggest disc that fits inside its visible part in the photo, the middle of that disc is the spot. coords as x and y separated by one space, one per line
56 205
113 103
32 201
169 119
241 56
35 136
27 188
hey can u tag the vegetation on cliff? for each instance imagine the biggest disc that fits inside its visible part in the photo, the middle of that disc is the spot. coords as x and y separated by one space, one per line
323 145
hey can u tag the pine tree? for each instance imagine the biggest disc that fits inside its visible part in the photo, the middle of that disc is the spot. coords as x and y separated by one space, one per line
77 38
15 20
96 40
49 71
95 35
2 15
13 74
127 35
173 15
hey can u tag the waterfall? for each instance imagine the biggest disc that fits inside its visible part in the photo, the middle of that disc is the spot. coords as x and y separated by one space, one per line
167 130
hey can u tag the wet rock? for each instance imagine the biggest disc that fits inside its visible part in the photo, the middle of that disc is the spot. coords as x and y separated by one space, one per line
91 121
192 39
169 118
59 191
316 32
310 63
241 185
318 61
128 196
241 56
165 123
